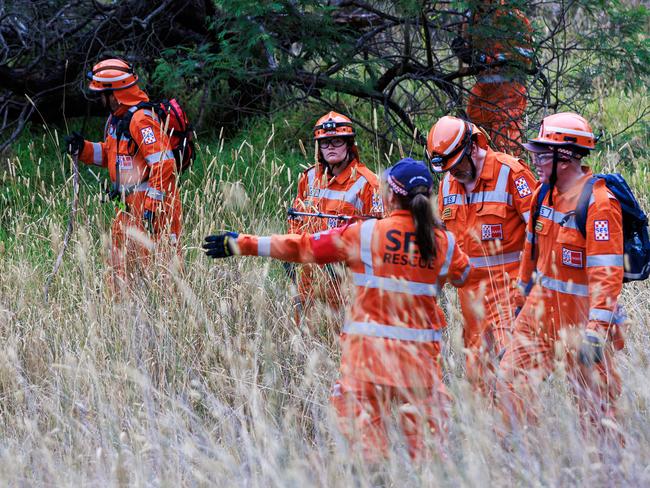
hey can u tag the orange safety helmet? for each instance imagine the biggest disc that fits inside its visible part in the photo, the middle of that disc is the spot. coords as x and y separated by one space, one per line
333 124
111 74
563 130
449 141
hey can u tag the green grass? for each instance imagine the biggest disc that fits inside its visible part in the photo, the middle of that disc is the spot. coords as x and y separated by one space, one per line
207 381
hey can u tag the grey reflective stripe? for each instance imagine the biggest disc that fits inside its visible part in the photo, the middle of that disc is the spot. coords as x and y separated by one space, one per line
460 281
445 186
494 78
564 287
159 156
451 242
502 180
311 174
525 216
567 220
156 194
264 246
135 188
133 109
605 260
495 196
602 315
103 79
395 285
365 244
97 153
496 260
352 194
529 236
370 329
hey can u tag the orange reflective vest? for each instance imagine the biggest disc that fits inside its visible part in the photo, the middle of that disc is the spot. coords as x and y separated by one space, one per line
490 222
578 279
146 162
393 330
355 191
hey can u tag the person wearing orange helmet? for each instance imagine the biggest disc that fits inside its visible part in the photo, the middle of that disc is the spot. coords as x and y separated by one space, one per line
141 166
484 199
390 343
572 282
338 184
498 41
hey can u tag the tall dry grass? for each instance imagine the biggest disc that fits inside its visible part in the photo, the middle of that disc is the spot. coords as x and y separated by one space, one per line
207 381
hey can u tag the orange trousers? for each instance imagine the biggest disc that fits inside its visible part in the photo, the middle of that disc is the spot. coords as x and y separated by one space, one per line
499 109
131 245
532 356
363 410
488 311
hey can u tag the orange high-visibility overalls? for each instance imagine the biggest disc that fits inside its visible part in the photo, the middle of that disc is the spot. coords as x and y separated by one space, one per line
497 101
390 343
147 176
490 225
577 285
355 191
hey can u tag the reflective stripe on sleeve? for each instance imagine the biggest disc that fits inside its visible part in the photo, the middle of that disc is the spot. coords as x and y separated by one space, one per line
602 315
370 329
156 194
502 179
461 281
451 242
605 260
566 287
525 216
497 260
159 156
264 246
395 285
97 153
365 243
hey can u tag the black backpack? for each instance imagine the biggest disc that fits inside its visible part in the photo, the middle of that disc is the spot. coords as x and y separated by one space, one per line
636 243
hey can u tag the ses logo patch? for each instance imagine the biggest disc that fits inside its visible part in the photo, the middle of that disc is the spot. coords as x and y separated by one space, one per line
148 137
522 187
491 232
572 258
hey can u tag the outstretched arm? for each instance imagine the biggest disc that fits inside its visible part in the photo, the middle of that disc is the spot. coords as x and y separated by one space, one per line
324 247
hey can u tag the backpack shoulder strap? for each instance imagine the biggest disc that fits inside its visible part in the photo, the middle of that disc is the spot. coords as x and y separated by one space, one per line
543 191
583 205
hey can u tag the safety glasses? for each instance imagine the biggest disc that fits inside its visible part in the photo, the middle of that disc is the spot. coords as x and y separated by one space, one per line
334 142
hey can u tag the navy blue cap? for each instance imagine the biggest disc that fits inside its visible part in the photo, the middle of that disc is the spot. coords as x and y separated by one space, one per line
407 174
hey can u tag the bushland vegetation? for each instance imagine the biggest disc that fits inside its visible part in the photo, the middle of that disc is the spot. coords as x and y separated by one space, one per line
208 381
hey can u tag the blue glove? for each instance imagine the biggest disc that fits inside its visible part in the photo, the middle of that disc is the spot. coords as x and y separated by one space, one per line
591 349
220 245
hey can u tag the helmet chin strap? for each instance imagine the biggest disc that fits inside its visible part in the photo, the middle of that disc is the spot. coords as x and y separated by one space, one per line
553 179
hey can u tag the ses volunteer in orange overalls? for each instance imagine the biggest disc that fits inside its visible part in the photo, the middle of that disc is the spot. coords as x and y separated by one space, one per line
390 343
484 199
498 41
572 307
338 184
141 167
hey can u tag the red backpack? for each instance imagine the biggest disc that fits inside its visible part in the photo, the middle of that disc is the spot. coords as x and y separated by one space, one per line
175 120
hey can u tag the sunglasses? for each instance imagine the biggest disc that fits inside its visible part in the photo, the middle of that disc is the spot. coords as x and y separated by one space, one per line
336 142
546 158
